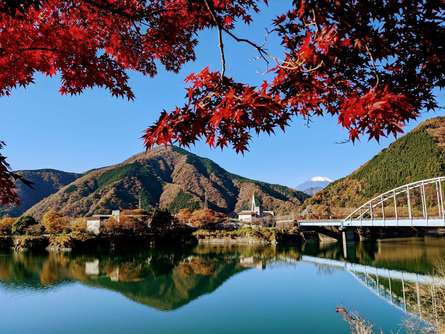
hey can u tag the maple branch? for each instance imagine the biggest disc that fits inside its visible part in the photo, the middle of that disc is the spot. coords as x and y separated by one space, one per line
262 52
373 65
220 38
40 49
110 8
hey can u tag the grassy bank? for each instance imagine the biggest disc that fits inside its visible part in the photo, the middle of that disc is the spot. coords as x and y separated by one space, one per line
250 235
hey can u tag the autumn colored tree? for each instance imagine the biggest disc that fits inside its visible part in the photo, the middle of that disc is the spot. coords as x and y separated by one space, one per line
111 225
133 224
54 222
373 64
78 225
6 224
8 193
7 189
184 215
206 218
21 224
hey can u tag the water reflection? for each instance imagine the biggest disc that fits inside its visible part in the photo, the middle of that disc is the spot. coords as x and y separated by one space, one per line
164 279
404 273
407 273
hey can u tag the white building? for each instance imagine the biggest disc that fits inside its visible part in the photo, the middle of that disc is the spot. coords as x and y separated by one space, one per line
256 214
94 223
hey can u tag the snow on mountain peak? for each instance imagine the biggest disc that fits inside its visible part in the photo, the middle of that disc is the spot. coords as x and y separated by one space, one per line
320 179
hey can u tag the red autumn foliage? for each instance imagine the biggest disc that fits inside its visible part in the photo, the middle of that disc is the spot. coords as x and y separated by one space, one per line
92 42
220 110
8 193
7 189
373 63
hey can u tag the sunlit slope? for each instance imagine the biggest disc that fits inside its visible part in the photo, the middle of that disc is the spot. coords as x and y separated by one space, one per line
417 155
168 177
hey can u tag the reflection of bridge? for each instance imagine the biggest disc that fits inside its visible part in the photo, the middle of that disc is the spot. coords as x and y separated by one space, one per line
381 272
411 298
417 204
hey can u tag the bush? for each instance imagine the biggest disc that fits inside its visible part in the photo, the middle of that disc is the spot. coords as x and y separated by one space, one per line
19 226
6 225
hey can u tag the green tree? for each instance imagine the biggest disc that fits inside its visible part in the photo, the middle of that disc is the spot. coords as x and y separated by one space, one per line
22 223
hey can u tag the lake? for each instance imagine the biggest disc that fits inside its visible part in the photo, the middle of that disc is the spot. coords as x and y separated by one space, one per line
222 289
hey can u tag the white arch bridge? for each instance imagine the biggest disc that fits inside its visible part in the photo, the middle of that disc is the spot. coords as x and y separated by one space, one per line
417 204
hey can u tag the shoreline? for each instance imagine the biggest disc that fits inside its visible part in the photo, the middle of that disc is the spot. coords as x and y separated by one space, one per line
260 236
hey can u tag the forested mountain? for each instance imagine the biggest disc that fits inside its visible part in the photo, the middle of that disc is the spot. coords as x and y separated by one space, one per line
420 154
168 177
45 182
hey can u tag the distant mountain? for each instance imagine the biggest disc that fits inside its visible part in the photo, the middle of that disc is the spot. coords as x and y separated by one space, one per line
168 177
420 154
45 182
314 184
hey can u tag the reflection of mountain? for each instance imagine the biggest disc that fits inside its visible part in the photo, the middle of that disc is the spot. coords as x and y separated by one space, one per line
163 279
186 281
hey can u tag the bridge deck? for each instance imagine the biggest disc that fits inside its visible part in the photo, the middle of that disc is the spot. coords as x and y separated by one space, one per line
390 222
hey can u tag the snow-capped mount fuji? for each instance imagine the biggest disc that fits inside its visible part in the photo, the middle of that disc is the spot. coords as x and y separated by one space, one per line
314 184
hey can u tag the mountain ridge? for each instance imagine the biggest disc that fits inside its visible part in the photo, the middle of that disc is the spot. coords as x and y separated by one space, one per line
417 155
168 177
46 181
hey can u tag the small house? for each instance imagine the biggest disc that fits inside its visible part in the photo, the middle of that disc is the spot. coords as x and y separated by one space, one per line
94 223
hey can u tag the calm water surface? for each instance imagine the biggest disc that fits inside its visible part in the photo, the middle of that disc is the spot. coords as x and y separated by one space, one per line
219 289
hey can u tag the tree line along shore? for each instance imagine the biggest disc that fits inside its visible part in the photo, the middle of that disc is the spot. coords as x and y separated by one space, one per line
55 232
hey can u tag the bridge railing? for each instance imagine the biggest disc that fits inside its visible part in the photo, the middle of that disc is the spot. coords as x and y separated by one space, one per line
431 206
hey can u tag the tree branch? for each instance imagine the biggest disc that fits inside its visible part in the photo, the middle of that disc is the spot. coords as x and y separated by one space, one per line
220 38
262 52
110 8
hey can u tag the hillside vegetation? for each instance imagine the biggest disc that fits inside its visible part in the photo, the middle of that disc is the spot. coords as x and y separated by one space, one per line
167 177
45 182
416 156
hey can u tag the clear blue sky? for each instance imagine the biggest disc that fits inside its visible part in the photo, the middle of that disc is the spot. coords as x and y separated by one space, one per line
45 130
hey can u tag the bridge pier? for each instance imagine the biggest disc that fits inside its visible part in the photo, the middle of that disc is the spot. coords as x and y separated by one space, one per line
347 236
364 234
